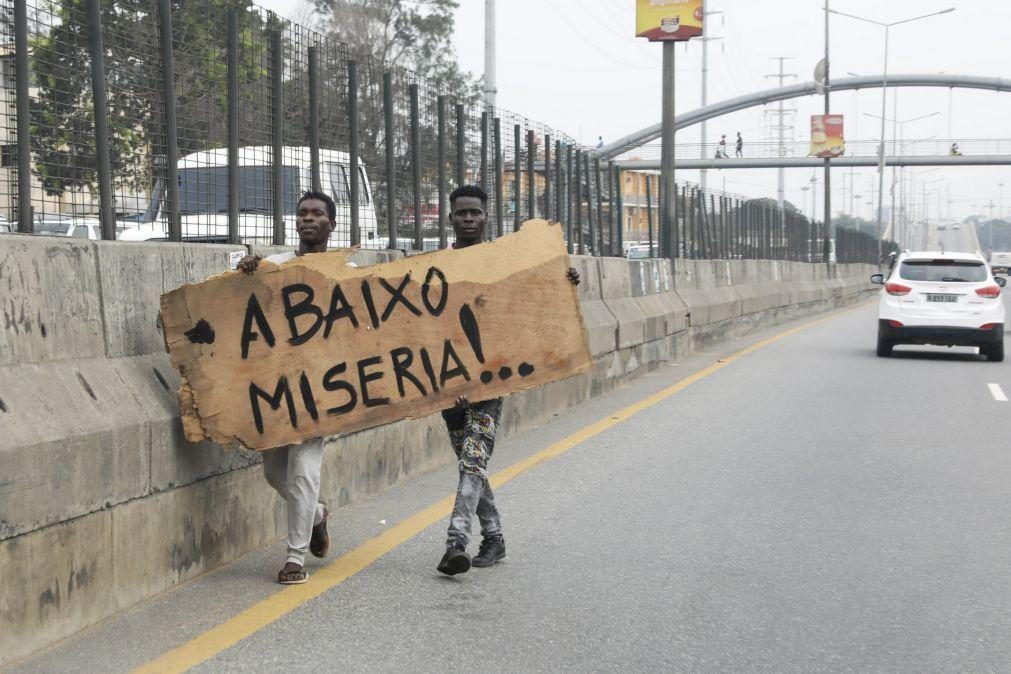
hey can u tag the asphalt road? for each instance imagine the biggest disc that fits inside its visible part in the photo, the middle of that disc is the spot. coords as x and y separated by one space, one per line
808 507
961 239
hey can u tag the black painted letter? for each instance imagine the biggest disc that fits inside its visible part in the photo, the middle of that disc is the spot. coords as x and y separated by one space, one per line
293 311
402 359
330 385
459 371
364 379
255 313
436 309
283 391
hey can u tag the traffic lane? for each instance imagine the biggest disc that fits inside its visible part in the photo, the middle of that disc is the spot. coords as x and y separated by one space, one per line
810 506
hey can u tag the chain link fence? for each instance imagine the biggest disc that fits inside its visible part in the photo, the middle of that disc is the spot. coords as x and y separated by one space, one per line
203 122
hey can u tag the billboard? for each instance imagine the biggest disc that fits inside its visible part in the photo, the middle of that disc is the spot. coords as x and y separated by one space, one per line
666 20
827 136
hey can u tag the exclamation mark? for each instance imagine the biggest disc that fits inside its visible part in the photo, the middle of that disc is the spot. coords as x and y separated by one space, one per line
468 321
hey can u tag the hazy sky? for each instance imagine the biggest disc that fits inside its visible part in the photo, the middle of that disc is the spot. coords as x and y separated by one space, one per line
576 65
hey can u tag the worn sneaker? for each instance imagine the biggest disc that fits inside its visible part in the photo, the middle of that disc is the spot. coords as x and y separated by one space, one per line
319 543
455 561
492 550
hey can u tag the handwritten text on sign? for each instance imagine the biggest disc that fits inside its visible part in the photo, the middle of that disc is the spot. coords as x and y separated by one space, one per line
314 347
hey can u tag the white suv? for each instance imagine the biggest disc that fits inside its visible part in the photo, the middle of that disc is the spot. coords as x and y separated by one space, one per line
950 299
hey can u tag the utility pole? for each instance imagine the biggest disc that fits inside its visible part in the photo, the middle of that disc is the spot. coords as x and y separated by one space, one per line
705 90
830 253
490 88
781 126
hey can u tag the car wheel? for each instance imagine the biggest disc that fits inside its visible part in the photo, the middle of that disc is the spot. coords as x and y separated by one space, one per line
884 347
994 352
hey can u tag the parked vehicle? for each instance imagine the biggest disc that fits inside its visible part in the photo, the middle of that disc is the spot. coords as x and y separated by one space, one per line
947 299
641 252
203 197
6 226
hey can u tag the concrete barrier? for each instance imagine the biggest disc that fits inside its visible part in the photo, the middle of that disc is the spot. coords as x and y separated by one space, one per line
103 503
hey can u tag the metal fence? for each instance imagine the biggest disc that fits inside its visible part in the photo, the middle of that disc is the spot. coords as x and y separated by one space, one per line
203 122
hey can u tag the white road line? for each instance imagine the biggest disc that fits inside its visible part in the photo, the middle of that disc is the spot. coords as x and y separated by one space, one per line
997 393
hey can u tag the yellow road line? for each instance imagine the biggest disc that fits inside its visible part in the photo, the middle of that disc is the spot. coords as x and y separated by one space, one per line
279 604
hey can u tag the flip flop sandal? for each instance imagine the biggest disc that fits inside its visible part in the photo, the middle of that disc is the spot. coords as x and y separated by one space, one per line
292 576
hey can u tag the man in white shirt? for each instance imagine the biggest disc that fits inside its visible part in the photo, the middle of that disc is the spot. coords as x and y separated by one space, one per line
294 470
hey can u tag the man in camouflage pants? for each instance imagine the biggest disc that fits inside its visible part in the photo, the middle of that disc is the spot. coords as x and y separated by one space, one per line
472 430
472 426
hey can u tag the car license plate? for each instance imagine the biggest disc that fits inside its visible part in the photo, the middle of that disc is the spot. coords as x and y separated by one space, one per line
942 298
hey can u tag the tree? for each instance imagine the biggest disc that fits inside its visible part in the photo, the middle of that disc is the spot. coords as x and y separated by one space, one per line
1001 233
413 34
63 131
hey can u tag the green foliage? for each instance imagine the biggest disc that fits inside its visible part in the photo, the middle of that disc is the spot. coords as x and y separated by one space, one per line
63 132
1001 234
856 224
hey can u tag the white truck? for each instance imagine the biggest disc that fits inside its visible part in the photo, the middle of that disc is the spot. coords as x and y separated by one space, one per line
203 197
1000 263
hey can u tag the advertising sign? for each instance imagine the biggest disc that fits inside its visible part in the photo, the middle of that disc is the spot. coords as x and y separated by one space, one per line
827 136
668 20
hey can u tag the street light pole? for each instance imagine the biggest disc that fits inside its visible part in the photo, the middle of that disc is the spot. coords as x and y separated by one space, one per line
490 86
881 151
884 99
830 253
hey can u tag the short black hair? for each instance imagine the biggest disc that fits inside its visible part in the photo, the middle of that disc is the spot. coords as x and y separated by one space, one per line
331 207
468 191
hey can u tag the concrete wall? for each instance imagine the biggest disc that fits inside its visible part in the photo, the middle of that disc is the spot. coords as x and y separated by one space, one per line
103 503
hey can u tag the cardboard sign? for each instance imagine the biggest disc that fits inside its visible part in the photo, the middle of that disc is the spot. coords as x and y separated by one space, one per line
313 347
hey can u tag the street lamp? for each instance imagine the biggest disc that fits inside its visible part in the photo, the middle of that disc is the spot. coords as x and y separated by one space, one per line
901 126
884 93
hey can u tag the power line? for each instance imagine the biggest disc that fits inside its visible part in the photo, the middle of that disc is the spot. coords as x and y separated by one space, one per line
593 44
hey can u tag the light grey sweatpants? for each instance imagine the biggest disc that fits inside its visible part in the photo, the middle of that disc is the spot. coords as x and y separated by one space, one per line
293 470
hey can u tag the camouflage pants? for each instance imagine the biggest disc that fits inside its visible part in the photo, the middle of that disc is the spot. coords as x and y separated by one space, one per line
472 434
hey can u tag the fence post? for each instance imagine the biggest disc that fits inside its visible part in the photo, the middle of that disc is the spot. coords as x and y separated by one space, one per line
233 126
314 118
356 232
600 206
517 176
461 144
568 199
25 224
101 111
559 183
715 230
531 175
579 202
649 212
484 158
392 215
676 235
441 173
419 243
620 250
499 202
547 177
589 204
276 129
613 215
171 126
